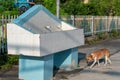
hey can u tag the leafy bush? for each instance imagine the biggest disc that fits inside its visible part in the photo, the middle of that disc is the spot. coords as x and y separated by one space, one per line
114 33
102 36
6 66
3 59
12 59
6 61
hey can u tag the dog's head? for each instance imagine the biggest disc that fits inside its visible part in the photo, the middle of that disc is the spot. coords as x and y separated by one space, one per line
89 58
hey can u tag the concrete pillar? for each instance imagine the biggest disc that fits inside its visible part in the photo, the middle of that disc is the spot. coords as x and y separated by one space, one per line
41 68
67 59
36 68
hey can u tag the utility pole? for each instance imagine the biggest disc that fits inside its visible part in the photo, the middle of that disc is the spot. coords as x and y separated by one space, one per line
57 8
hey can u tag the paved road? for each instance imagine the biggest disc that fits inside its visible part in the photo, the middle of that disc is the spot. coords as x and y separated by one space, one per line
109 72
11 74
112 45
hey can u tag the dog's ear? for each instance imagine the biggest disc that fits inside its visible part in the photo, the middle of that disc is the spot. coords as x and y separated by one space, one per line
88 55
91 55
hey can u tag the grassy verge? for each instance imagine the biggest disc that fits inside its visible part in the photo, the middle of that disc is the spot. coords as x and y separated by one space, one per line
101 37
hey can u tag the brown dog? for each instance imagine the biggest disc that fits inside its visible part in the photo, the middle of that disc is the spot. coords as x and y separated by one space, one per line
96 55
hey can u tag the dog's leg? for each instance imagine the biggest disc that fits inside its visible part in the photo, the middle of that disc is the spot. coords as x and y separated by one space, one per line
106 58
98 63
109 60
93 63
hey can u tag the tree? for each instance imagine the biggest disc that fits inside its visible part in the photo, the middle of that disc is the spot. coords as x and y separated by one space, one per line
7 7
1 9
71 7
50 5
39 1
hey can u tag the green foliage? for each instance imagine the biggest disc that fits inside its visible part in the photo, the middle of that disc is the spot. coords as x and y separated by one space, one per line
39 1
70 7
6 61
91 40
3 59
5 67
7 7
103 36
94 7
50 5
1 8
114 33
12 59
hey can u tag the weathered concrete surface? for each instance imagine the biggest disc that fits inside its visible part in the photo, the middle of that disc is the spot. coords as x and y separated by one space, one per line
11 74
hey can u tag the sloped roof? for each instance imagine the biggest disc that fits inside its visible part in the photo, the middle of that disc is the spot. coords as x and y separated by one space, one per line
38 20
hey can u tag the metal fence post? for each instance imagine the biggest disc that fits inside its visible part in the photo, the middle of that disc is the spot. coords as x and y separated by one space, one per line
11 18
92 25
107 24
8 18
2 34
116 23
73 20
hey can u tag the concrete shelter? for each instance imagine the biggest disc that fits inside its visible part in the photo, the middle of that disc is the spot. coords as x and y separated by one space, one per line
43 41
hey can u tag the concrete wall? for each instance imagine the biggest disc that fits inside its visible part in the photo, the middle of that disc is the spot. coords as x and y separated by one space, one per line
66 26
21 41
60 41
28 34
41 68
